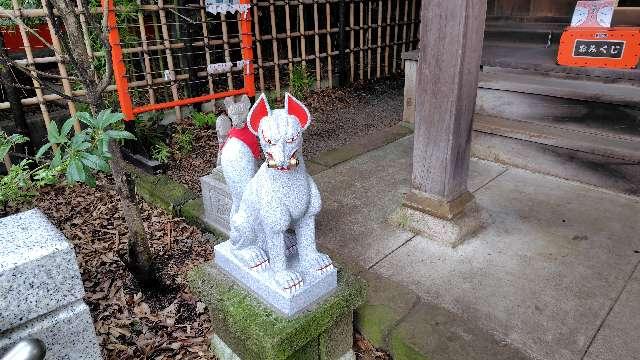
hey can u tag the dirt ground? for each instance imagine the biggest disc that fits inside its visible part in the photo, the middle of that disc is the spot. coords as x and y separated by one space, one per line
134 322
340 115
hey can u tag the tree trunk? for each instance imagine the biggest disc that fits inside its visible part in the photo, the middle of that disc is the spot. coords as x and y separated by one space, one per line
140 259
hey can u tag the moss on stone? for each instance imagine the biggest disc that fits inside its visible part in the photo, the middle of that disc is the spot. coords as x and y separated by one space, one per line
263 332
374 321
163 192
401 350
337 340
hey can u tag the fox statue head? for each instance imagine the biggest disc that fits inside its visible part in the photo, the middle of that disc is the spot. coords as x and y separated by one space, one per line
280 131
237 111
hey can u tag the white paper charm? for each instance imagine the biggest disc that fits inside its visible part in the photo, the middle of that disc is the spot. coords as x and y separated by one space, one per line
219 68
224 6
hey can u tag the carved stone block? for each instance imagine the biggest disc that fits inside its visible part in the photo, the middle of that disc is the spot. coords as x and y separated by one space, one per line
217 201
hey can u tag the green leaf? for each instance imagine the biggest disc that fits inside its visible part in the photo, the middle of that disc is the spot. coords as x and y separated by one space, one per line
90 180
4 150
17 139
86 118
57 158
66 127
43 150
52 133
75 171
106 118
119 134
94 162
79 144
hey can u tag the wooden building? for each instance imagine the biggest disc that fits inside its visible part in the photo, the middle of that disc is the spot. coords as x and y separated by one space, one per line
533 113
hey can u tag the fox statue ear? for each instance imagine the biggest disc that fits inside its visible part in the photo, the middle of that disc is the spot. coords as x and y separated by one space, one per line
258 111
294 107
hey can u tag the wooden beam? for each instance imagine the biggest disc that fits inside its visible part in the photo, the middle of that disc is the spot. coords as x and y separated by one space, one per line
451 34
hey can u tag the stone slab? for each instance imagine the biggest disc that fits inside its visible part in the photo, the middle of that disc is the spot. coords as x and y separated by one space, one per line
315 287
569 164
432 332
543 274
217 201
618 338
386 305
359 197
356 204
253 330
38 269
67 332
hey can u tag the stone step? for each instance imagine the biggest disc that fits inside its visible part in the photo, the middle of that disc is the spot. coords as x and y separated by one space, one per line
38 269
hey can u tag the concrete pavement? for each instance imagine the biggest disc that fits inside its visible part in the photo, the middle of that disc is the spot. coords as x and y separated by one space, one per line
555 274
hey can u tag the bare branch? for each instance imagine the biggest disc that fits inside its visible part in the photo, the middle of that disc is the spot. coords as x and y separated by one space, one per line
46 86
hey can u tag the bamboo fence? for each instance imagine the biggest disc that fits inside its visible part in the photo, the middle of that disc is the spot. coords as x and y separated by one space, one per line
333 41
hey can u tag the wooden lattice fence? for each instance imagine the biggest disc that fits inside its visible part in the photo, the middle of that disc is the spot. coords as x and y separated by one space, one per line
328 42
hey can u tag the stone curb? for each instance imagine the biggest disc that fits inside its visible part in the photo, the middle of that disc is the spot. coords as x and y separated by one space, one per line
361 145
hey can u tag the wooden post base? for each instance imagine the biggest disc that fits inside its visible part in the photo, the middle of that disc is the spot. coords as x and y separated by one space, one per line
442 209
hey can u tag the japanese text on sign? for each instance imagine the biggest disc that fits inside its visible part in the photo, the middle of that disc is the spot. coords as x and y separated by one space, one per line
599 49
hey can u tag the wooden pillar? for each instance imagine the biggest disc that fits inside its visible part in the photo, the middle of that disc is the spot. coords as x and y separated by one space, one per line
451 35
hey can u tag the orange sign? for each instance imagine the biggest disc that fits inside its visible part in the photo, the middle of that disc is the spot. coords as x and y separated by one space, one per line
601 48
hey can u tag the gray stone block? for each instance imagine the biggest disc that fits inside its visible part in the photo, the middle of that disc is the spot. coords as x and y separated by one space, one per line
41 291
217 201
316 287
67 333
38 269
451 233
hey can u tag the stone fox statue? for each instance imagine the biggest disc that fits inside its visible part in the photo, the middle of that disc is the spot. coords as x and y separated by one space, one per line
279 197
239 149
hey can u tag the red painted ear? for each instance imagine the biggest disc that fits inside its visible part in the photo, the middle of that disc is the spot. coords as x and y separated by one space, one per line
258 111
297 109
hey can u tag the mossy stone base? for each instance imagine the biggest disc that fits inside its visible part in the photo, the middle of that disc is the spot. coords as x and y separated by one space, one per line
162 192
253 331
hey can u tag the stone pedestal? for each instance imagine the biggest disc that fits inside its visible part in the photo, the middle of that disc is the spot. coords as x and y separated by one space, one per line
247 329
449 223
315 286
217 201
41 289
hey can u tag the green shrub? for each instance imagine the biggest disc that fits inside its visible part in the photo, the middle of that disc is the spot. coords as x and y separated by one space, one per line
9 141
300 82
17 187
202 120
184 140
161 152
84 154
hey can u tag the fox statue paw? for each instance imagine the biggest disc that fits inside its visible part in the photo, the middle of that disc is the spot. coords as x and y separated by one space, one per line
320 263
289 281
253 258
